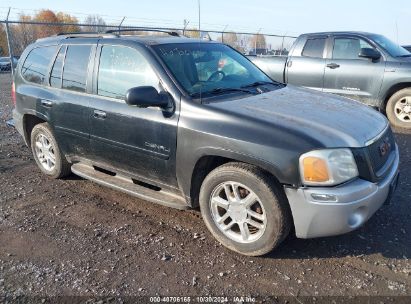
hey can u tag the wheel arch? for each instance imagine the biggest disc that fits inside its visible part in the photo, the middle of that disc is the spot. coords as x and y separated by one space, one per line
392 90
206 163
30 120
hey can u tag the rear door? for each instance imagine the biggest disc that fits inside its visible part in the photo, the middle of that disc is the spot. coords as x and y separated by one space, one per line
70 86
140 141
351 76
305 67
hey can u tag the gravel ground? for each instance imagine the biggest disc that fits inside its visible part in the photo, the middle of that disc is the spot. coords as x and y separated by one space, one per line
75 238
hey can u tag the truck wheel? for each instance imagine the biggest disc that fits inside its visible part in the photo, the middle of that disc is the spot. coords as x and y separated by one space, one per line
245 209
399 109
46 152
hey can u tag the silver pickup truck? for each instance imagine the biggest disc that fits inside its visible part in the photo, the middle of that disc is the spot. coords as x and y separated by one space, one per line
363 66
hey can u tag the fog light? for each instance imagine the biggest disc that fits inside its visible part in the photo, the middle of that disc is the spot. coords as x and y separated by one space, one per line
319 197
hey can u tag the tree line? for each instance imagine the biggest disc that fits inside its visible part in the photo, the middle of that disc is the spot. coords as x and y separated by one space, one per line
23 34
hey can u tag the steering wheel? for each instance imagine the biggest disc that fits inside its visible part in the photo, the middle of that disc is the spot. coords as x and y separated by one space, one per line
212 76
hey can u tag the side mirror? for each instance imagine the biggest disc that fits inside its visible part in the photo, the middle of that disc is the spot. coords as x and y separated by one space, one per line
147 96
370 53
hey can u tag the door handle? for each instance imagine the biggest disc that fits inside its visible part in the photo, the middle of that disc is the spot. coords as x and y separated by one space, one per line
289 64
333 65
46 103
100 114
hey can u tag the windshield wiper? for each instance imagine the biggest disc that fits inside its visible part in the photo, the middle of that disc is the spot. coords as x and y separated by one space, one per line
221 90
257 83
406 55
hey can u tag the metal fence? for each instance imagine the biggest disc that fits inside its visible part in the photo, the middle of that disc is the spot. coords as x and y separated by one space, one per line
15 36
22 33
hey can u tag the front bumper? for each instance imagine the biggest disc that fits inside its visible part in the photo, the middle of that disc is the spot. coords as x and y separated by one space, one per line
355 203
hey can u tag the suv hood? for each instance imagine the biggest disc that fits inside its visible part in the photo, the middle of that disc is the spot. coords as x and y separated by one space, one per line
332 120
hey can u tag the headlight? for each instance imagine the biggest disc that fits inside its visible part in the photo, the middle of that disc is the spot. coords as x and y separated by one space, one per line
327 167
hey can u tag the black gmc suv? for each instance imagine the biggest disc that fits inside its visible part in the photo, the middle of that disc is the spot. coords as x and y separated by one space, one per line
188 123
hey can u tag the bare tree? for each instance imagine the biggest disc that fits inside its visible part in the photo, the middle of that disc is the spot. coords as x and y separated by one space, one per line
258 41
192 33
97 24
231 39
4 51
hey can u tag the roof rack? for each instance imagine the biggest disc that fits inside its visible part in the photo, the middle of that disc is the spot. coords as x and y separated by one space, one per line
142 29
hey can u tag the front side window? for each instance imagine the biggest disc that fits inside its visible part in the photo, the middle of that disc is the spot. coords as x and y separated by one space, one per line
75 67
35 66
122 68
349 48
55 77
201 68
314 48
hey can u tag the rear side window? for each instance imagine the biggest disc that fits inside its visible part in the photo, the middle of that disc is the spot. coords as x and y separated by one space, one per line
122 68
75 67
314 48
55 77
36 65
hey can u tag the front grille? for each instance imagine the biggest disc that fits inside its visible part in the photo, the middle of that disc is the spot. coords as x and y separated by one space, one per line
380 150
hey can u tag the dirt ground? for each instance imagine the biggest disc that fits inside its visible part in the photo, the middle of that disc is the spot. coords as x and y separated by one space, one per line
75 238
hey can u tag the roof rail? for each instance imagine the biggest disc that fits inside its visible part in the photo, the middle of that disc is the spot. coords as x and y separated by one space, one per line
142 29
84 34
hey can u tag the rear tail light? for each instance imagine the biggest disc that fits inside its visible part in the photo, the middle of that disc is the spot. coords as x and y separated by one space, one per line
13 93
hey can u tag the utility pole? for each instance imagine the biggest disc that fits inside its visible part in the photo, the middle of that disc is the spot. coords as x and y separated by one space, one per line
9 43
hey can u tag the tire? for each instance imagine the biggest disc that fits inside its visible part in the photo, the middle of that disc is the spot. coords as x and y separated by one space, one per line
271 206
401 99
47 153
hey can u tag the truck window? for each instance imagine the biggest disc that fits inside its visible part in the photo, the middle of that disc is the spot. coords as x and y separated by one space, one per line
314 48
122 68
349 48
75 67
36 64
55 77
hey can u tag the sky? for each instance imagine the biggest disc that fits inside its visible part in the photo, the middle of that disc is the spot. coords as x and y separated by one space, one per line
291 17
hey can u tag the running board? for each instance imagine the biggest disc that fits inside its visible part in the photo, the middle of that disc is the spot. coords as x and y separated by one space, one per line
126 184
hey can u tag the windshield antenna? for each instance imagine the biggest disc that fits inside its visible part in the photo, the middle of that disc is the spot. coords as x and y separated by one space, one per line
199 17
396 27
199 37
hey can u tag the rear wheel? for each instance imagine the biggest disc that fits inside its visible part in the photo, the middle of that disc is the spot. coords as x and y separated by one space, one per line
245 209
46 152
399 109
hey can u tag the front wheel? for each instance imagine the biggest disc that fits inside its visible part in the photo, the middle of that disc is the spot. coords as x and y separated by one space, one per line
399 109
245 209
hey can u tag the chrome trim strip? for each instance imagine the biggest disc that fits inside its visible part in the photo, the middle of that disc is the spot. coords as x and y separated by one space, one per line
371 141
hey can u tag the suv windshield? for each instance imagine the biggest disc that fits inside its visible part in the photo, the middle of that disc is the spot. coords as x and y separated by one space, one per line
391 47
203 68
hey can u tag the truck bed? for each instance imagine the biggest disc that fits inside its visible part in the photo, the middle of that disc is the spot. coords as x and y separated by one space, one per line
273 66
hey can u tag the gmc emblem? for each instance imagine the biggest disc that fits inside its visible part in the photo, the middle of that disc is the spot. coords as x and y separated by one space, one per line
384 147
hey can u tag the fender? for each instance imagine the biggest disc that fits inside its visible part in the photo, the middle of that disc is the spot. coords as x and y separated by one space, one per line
186 167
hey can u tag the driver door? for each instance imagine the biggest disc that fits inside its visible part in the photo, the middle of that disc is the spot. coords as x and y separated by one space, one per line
141 141
351 76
